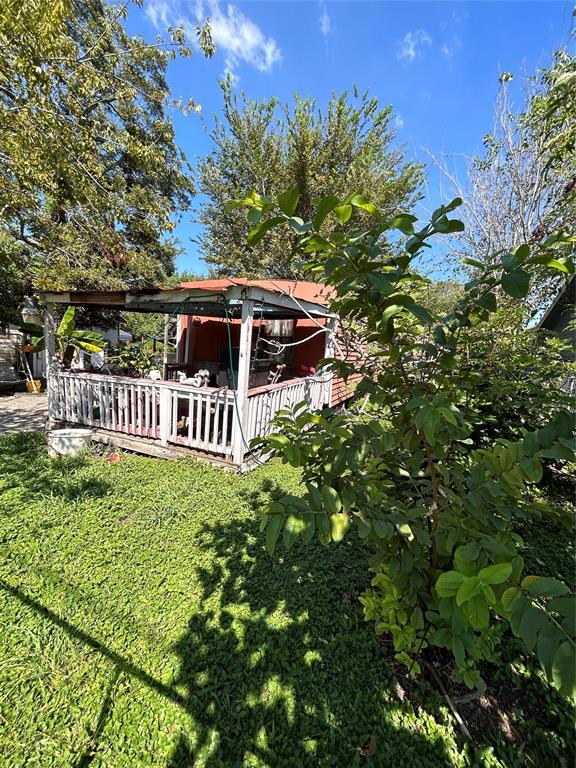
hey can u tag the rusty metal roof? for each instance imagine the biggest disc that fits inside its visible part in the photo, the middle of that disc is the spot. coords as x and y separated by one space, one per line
298 289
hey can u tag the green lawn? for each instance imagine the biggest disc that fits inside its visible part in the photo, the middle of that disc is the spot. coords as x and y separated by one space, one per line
143 624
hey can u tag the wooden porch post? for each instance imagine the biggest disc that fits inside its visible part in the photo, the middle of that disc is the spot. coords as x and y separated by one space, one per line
329 351
165 350
242 382
52 365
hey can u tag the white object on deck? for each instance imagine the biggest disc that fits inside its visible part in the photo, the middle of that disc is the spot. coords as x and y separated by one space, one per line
68 442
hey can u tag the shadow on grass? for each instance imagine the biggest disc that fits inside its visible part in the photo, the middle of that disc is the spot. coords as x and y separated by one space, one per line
280 668
25 463
105 712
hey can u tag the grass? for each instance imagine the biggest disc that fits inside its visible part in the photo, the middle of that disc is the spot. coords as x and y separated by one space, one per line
143 624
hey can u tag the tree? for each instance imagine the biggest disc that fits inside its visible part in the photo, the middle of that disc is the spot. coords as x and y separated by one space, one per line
523 188
437 507
263 146
91 180
68 338
550 116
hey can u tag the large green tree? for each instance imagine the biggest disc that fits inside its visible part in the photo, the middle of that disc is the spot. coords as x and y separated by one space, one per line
91 179
263 146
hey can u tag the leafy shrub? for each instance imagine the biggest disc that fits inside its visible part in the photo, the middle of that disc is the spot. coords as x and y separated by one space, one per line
437 505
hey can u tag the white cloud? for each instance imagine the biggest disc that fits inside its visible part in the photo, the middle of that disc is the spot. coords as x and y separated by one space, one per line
325 21
235 35
398 121
412 44
448 50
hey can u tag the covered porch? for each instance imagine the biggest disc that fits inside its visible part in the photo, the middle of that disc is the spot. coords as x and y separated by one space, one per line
225 321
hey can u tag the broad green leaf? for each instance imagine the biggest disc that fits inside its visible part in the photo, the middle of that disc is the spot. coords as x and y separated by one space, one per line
473 263
324 528
343 213
477 612
391 311
509 261
516 283
380 282
364 527
554 264
488 301
508 598
382 528
488 593
67 323
314 496
564 669
532 468
347 495
256 234
420 313
89 347
403 222
496 574
465 558
405 530
323 208
449 583
278 440
273 531
309 528
359 201
458 651
340 523
331 499
289 200
299 226
468 589
254 215
293 526
547 645
533 622
544 586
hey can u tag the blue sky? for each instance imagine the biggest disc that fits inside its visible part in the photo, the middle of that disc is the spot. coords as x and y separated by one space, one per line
437 63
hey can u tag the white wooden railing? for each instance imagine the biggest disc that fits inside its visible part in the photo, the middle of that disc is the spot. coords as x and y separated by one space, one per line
263 405
197 417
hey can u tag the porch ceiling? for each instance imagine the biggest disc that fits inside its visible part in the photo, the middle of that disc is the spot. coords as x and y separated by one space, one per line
210 298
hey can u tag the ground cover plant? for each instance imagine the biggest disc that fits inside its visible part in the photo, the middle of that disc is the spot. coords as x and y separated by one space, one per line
142 624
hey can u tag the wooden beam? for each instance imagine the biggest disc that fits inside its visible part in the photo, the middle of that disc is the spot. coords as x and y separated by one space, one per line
243 376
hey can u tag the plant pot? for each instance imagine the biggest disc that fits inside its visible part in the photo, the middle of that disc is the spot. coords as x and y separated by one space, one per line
68 442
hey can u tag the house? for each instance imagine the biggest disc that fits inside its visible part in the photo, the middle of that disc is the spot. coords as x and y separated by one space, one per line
244 350
560 316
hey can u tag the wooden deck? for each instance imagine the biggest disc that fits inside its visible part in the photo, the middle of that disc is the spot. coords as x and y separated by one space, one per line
170 419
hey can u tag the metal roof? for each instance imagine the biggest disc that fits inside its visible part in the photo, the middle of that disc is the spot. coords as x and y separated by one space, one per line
210 298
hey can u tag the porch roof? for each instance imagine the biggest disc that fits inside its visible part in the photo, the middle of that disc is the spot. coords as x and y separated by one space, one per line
279 299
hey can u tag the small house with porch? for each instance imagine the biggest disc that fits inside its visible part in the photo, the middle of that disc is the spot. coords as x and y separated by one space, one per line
244 349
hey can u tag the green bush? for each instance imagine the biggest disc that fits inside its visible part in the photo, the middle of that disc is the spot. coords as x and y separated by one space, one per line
436 469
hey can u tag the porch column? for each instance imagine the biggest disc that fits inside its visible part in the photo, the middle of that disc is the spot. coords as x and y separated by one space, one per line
165 350
242 382
52 365
329 351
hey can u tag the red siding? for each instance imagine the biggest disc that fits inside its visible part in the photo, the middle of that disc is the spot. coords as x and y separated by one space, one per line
208 335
